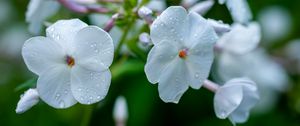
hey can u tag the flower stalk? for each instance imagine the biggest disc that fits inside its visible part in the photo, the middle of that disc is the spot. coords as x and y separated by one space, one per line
212 86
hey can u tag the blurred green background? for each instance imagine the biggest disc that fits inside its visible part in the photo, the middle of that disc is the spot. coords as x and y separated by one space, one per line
144 104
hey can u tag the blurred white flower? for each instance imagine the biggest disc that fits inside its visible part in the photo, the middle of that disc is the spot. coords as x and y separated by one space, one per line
182 54
269 76
241 39
293 49
28 100
6 12
12 39
120 111
239 10
235 99
72 63
276 23
157 5
86 1
219 26
38 11
202 7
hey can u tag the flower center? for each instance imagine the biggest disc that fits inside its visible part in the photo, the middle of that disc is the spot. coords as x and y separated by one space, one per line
70 61
183 53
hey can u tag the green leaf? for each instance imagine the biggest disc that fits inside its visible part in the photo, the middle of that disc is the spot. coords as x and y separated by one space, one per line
27 84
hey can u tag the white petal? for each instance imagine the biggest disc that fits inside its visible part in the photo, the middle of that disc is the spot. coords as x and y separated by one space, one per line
157 5
202 7
241 39
94 48
239 10
40 53
168 26
173 81
158 59
88 86
38 11
54 87
64 32
222 1
227 99
219 26
250 99
198 31
28 100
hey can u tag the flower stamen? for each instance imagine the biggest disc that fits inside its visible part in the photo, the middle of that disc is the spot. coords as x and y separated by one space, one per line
183 53
70 61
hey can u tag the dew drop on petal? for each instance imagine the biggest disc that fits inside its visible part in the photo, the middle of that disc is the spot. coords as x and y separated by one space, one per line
197 75
61 104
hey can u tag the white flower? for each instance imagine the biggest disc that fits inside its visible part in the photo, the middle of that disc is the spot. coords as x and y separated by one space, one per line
38 11
235 98
202 7
241 39
270 77
72 63
239 10
276 23
182 54
120 112
28 100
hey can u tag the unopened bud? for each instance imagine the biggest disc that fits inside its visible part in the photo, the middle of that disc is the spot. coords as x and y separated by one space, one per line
146 14
120 112
28 99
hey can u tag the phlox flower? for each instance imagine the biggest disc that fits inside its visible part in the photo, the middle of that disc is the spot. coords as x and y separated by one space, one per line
72 63
182 54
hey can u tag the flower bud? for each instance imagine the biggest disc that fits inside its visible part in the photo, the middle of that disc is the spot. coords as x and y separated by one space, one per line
120 113
146 14
28 99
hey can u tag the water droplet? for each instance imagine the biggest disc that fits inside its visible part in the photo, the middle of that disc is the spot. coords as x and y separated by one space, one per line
197 75
61 104
66 91
222 114
57 96
177 79
96 51
99 97
79 89
89 102
91 98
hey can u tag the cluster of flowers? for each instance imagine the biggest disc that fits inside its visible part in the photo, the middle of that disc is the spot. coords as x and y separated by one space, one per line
73 60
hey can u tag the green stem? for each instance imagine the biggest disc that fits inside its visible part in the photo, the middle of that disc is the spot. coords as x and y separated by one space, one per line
88 111
123 37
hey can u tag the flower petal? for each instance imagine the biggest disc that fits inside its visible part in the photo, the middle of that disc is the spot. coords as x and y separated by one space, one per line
250 99
158 59
239 10
199 31
89 86
53 86
94 48
38 11
173 81
64 32
227 99
241 39
40 53
168 26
